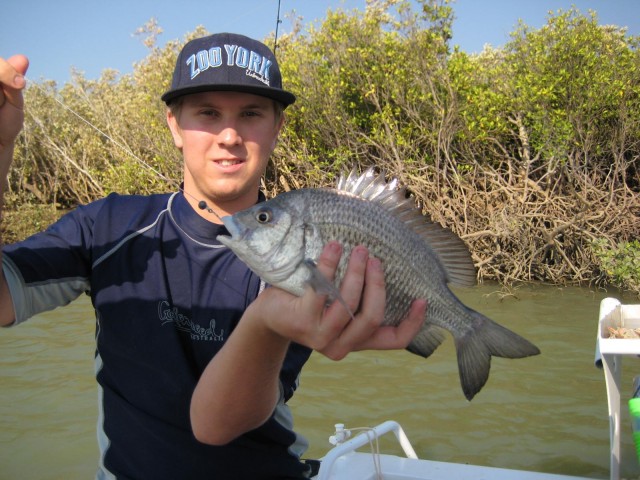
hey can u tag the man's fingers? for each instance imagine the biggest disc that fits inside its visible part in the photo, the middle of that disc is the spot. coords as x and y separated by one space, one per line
326 265
329 258
374 296
370 315
411 325
363 291
12 80
398 337
351 286
14 75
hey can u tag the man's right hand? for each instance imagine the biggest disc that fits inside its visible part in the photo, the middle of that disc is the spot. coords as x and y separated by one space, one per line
12 82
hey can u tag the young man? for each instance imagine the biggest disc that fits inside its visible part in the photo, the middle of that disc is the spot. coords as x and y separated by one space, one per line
194 364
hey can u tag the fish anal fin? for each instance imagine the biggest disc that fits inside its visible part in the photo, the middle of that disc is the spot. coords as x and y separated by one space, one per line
427 340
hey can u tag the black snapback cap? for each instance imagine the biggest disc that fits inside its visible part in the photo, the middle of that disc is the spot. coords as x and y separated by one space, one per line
227 62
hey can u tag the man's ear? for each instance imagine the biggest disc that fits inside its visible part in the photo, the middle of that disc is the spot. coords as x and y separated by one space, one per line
278 130
172 122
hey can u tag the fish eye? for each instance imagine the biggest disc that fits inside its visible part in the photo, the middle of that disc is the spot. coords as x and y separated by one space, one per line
263 216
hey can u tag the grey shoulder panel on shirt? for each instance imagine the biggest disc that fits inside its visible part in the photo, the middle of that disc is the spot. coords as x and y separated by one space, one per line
284 417
29 300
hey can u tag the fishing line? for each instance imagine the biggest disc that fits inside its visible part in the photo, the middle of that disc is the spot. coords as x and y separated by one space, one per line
374 444
278 22
202 205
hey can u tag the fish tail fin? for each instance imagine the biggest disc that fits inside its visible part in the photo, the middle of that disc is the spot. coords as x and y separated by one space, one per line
477 346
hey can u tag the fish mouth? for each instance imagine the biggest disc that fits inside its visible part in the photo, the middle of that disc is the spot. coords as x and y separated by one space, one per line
236 231
235 241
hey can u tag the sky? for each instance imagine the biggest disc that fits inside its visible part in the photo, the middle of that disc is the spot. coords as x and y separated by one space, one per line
92 35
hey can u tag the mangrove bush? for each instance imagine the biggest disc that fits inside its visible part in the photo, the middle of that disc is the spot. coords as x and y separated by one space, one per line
529 152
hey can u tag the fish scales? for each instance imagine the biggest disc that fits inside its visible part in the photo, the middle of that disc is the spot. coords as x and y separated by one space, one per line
353 221
281 238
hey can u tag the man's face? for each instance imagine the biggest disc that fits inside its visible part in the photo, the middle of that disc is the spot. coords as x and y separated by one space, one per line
226 139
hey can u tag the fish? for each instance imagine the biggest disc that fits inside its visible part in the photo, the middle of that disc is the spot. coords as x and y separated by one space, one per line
280 240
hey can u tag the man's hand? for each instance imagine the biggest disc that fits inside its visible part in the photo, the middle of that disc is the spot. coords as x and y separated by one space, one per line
12 82
240 387
331 329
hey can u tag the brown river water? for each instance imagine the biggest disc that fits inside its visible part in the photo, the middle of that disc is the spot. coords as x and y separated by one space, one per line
546 413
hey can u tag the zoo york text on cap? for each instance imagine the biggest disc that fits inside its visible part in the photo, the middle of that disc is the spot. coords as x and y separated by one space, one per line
227 62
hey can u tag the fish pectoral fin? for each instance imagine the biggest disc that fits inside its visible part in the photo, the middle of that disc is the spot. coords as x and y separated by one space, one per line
322 286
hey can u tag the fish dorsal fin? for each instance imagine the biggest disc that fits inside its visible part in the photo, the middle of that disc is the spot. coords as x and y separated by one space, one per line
451 250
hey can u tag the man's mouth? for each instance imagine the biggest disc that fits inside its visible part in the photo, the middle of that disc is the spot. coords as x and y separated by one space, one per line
228 163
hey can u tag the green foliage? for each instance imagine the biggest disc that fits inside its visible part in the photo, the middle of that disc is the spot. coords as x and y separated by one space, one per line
561 92
483 95
358 73
621 264
574 79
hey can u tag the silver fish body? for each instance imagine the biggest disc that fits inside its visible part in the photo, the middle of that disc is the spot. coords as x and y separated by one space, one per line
277 238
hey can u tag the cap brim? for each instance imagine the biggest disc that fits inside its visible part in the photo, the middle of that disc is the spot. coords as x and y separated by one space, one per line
282 96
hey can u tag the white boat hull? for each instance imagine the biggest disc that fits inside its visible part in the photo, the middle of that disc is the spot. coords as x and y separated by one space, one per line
343 462
360 466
